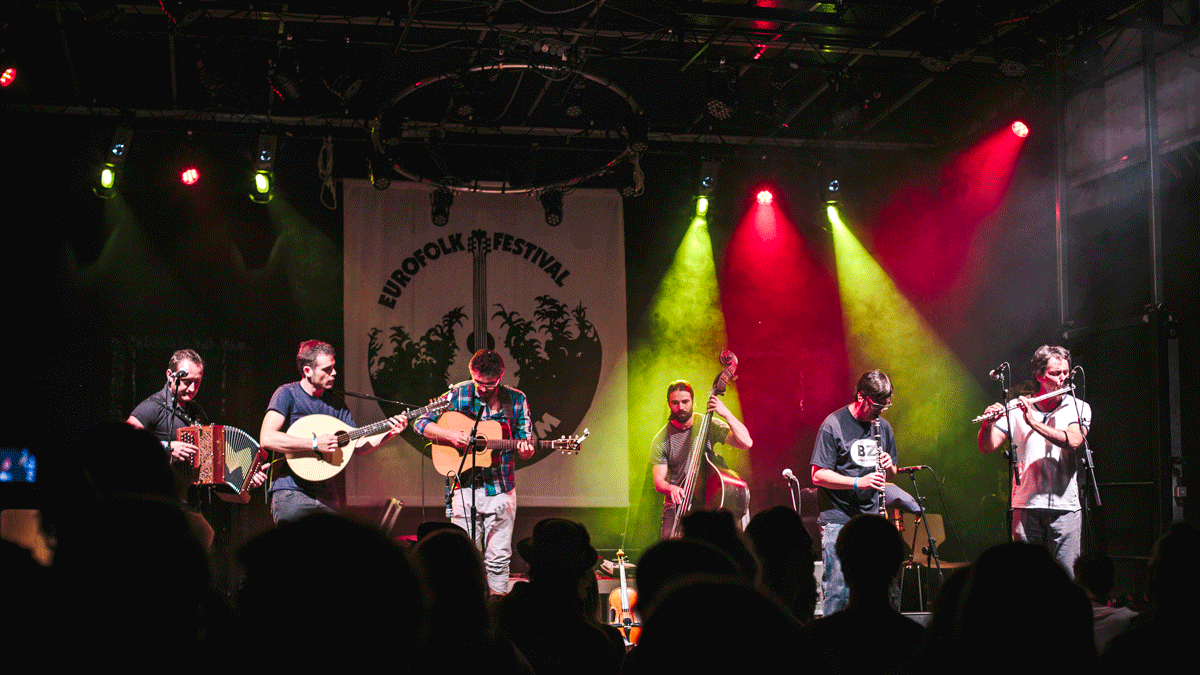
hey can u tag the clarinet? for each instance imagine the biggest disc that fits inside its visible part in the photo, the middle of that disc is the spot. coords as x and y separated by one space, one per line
879 465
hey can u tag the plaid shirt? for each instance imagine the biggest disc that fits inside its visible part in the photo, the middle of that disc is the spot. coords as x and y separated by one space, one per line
501 476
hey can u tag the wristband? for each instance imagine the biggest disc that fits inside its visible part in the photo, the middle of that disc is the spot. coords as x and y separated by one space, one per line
166 445
856 482
314 443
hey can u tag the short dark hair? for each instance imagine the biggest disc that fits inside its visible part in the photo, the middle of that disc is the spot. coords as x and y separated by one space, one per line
308 352
875 385
182 355
1041 358
487 363
680 385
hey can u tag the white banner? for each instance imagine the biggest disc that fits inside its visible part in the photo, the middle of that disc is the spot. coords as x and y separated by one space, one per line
555 308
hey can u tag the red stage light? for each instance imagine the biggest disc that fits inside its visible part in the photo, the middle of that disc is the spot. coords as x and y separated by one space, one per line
1020 129
8 76
765 197
190 175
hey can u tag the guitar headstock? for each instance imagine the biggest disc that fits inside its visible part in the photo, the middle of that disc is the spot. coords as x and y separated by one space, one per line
435 405
569 445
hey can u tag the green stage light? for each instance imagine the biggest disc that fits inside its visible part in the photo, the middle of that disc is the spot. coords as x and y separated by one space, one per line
702 206
110 171
680 336
262 187
935 394
264 169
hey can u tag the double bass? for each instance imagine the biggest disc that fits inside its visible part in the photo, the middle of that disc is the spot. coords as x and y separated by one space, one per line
723 487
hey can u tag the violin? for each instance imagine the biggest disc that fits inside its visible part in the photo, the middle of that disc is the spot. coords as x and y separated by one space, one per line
620 607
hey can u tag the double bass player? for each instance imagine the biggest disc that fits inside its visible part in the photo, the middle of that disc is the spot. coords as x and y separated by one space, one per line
672 445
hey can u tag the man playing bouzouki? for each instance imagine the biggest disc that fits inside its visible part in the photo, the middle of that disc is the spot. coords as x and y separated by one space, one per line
670 448
291 496
495 495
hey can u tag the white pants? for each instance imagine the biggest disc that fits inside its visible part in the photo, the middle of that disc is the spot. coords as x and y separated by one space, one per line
494 519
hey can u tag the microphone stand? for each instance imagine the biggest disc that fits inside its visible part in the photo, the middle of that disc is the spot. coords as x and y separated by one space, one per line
474 467
1086 460
931 546
1014 474
793 488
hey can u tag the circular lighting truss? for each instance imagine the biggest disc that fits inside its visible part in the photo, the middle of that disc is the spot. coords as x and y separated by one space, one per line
430 112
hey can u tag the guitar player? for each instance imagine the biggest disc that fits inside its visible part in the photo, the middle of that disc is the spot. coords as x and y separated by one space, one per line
494 486
293 497
672 445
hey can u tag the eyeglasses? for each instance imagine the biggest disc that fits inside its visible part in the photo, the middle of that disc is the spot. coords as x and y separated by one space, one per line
486 385
876 405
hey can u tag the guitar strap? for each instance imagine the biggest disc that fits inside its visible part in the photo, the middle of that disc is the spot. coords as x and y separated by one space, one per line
507 405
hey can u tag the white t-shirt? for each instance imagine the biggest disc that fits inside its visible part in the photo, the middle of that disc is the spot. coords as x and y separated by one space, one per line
1048 472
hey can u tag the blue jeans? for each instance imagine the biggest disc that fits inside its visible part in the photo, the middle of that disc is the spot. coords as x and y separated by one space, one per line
837 595
294 504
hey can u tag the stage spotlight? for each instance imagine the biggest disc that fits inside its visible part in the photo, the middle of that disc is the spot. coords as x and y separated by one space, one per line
1020 129
708 177
702 206
764 197
264 174
552 202
833 191
110 172
8 76
190 175
722 98
440 201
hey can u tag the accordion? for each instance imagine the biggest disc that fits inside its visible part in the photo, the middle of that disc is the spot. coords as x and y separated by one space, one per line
226 459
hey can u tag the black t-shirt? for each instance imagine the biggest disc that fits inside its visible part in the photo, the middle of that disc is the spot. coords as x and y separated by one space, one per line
155 414
847 446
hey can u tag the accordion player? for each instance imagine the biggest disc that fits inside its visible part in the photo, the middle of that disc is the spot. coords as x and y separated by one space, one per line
226 459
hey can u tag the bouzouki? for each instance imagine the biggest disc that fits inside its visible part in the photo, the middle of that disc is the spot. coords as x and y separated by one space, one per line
723 488
318 466
490 441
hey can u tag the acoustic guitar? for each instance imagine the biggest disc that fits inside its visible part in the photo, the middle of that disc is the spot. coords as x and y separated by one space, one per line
490 441
318 466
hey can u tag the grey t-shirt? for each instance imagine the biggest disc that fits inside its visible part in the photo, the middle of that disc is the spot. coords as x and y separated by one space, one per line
672 445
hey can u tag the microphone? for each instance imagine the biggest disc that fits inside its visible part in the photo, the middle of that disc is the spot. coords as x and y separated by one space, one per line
180 374
787 473
912 469
995 372
449 499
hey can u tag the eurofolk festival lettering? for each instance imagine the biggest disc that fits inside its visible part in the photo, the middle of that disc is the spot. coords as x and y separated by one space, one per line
453 243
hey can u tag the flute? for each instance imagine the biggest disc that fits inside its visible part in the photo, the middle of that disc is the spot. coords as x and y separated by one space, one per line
1014 406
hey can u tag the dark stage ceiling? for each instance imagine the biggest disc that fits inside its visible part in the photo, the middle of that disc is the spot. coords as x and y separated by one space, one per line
693 77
